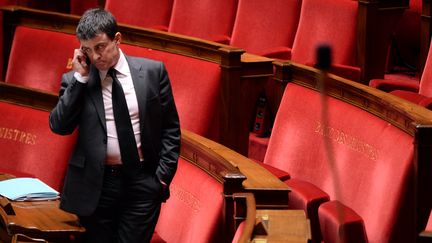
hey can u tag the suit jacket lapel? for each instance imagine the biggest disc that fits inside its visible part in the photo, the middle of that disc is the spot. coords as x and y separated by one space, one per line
95 93
140 86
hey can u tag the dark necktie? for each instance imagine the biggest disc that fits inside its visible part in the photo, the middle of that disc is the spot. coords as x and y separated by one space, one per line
125 134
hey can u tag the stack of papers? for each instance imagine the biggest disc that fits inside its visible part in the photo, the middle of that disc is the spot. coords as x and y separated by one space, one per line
27 189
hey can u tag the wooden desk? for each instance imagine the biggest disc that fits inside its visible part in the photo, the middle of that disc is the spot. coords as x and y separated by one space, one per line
274 226
43 220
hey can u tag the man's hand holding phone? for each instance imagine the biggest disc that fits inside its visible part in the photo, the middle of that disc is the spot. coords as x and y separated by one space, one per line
81 62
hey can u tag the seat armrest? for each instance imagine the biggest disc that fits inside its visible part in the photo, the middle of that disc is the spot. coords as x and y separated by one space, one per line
341 224
306 196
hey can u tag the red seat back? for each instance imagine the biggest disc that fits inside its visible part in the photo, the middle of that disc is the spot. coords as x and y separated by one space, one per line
264 27
38 58
78 7
333 22
195 84
374 159
425 87
29 146
207 19
143 13
193 213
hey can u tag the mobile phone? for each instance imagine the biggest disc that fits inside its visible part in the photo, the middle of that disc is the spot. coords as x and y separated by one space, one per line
87 59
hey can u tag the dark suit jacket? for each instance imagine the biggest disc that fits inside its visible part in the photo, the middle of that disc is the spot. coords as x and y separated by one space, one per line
81 106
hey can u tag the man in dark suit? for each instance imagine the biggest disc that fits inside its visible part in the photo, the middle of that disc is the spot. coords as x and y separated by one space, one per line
116 183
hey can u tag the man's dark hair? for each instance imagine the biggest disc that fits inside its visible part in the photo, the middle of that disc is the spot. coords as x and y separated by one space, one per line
96 21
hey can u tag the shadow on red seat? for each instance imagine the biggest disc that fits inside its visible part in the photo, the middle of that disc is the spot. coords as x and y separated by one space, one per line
418 93
38 58
332 22
206 19
403 59
257 23
30 148
78 7
142 13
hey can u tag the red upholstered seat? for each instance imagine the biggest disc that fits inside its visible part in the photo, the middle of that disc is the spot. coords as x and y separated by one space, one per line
193 213
206 19
407 89
341 224
38 58
78 7
265 27
3 3
30 148
333 22
405 50
142 13
195 85
371 172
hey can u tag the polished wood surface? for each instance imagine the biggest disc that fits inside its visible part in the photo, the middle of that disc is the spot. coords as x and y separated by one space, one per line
20 238
281 226
269 225
28 97
268 190
37 219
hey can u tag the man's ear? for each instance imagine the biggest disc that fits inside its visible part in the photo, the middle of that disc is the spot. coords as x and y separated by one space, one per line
117 38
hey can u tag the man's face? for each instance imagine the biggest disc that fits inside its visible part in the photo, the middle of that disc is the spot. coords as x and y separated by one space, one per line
102 51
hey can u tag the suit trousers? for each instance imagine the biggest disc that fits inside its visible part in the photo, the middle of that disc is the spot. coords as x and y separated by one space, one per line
128 208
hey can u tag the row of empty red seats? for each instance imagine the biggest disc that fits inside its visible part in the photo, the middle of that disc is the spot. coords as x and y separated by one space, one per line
283 29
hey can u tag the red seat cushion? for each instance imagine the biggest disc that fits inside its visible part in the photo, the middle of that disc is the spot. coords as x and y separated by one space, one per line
341 224
306 196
